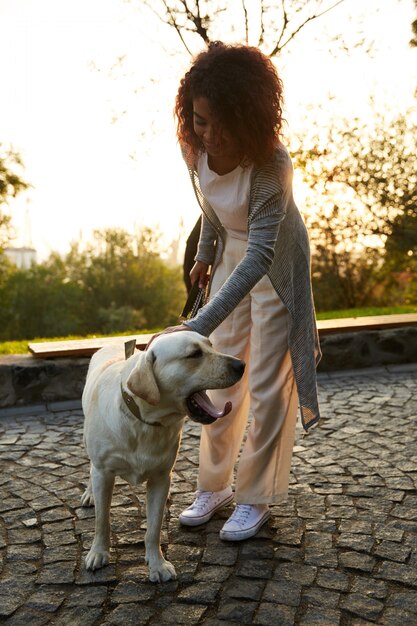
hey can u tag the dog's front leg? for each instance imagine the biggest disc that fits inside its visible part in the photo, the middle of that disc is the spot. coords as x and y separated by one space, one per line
102 485
87 499
160 570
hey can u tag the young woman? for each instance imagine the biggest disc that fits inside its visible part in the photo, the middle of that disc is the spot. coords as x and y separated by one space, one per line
260 309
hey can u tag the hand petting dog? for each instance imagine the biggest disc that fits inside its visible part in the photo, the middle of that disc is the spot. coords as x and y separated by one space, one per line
167 331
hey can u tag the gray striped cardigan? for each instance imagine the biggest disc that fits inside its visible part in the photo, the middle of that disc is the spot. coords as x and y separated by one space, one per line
278 246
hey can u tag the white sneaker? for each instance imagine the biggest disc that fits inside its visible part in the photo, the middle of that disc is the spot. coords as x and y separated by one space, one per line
205 505
245 521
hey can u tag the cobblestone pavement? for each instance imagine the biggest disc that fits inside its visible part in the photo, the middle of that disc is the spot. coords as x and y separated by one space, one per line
343 550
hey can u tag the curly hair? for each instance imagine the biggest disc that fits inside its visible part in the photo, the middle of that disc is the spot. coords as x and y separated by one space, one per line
245 96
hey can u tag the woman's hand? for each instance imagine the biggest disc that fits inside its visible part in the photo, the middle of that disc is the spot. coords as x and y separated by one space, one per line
199 273
167 331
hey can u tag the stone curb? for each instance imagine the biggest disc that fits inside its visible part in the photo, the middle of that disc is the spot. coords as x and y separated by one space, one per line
38 409
369 371
322 377
25 380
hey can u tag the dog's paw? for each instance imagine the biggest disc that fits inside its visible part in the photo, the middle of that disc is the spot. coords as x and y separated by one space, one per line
87 499
163 572
96 559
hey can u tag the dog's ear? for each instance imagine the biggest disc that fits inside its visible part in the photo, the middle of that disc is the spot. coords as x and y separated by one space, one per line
142 380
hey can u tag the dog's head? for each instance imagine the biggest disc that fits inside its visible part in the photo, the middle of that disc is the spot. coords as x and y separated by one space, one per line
176 371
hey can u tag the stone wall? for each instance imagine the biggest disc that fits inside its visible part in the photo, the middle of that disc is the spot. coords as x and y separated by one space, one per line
368 348
25 380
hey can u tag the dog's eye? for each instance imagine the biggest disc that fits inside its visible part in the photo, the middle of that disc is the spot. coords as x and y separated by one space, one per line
196 354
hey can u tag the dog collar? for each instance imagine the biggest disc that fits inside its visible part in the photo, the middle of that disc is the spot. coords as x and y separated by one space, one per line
130 347
134 409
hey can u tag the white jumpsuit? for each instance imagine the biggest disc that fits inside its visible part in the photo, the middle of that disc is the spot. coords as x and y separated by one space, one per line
257 332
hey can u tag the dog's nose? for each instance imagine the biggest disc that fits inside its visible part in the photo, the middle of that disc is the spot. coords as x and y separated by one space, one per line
238 366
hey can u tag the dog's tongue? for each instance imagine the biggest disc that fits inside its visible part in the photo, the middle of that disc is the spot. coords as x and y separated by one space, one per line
203 401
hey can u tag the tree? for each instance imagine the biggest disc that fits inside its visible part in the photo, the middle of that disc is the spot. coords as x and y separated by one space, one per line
363 178
125 270
119 283
268 25
11 184
374 164
40 302
413 42
345 271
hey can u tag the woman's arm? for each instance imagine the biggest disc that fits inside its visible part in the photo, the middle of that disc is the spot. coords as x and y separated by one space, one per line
254 265
206 247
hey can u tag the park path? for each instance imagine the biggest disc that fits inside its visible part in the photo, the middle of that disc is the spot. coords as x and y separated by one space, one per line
342 550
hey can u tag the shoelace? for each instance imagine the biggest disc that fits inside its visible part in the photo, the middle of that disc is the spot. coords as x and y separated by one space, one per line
202 499
241 513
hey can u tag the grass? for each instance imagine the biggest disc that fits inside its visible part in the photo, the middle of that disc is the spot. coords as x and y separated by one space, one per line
366 312
21 347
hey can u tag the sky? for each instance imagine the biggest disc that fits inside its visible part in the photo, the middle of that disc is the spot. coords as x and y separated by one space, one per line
88 88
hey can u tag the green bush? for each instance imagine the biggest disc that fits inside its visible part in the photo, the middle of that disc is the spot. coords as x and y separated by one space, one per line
118 282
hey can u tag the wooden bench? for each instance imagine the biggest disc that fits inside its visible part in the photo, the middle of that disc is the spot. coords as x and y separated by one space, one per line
376 322
87 347
81 347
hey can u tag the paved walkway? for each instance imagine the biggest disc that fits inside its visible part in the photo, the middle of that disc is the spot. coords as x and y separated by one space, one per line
343 550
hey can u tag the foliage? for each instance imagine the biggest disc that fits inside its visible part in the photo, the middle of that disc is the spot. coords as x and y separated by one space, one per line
39 301
344 275
118 282
413 41
10 181
363 176
117 318
373 162
6 267
11 184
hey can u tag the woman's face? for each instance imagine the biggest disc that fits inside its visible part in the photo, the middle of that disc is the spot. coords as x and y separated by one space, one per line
217 141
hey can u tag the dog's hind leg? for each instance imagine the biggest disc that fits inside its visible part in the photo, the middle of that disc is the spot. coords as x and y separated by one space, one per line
160 570
87 499
102 484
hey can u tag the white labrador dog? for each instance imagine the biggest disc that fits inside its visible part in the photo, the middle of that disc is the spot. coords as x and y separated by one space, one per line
134 411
